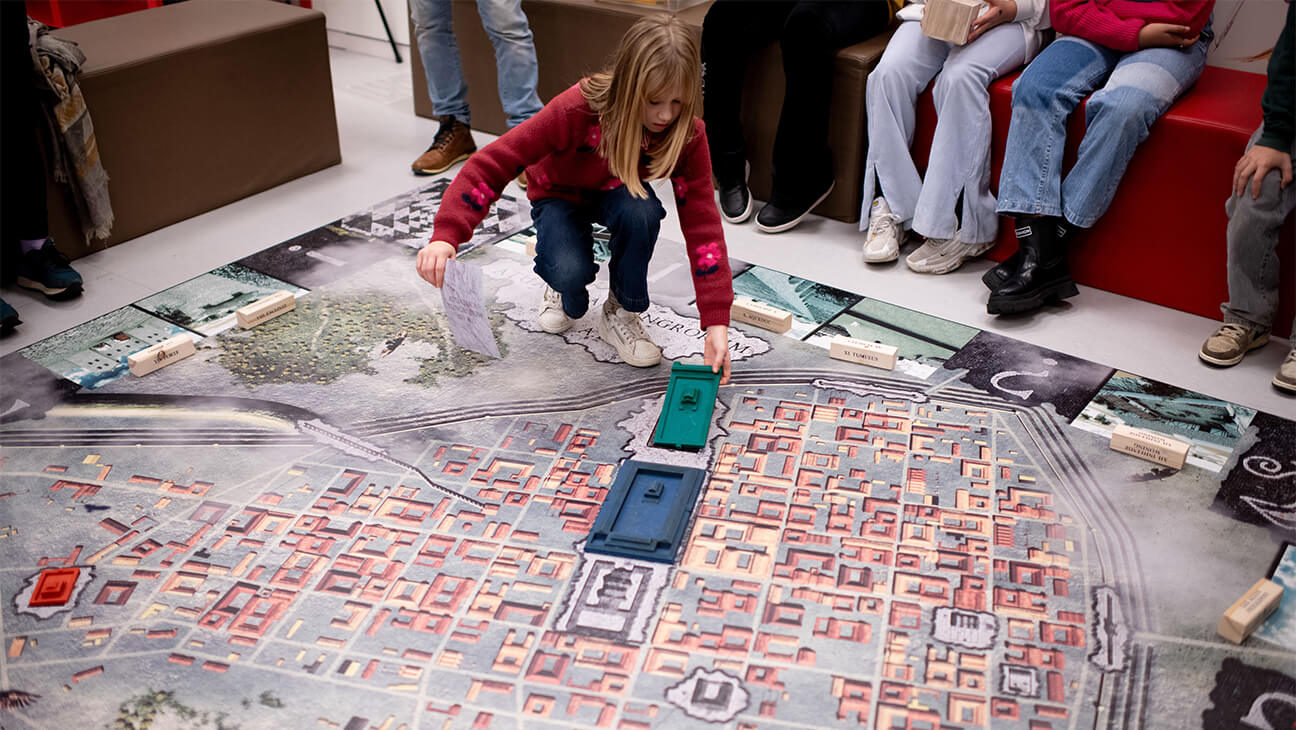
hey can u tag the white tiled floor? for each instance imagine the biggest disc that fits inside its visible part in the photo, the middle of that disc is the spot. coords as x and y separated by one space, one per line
381 135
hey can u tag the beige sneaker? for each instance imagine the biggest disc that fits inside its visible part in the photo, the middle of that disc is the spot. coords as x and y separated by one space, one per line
1285 379
943 255
624 331
1230 343
885 234
453 142
552 318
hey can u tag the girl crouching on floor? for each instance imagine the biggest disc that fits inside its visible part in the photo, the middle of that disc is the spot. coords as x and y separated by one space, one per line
587 156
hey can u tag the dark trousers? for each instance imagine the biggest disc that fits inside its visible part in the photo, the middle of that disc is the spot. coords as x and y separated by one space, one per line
22 170
565 246
809 33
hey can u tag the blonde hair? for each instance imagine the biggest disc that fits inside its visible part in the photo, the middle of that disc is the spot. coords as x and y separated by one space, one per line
657 54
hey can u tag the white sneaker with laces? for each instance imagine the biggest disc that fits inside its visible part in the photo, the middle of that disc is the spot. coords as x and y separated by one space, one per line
943 255
885 234
552 318
624 331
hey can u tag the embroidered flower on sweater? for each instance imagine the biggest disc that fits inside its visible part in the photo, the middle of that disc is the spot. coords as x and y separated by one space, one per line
681 190
708 259
479 197
539 178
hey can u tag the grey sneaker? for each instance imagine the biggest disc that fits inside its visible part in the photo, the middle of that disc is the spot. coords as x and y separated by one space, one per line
624 331
943 255
1285 379
1231 342
885 233
552 318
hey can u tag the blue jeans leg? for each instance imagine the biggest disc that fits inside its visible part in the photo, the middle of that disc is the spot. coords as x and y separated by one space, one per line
1117 118
633 224
565 250
1043 96
515 58
434 34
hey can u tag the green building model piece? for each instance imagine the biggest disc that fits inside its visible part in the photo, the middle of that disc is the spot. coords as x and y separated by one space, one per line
686 414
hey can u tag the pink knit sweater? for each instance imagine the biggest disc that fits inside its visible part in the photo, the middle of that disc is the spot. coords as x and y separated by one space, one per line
1116 23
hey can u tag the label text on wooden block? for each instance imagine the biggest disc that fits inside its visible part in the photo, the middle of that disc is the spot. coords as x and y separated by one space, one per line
1249 611
266 308
863 351
1150 445
160 355
761 314
949 20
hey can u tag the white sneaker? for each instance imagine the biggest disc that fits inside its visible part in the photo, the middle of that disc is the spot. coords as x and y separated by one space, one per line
885 234
624 331
552 318
943 255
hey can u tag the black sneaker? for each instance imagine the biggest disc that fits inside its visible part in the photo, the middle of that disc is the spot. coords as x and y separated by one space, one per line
8 317
735 198
779 217
47 271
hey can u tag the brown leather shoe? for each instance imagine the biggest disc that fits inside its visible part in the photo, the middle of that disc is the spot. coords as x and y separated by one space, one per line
453 142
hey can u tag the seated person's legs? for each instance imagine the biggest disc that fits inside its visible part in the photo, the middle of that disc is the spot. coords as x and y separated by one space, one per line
891 180
1253 265
803 168
959 164
1030 185
1118 116
731 32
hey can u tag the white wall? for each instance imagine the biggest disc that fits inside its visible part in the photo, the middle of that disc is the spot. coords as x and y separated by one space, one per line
1244 30
356 25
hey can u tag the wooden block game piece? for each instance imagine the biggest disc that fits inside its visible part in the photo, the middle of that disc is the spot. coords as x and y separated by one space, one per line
1249 611
949 20
266 308
1150 445
160 355
531 246
851 349
761 314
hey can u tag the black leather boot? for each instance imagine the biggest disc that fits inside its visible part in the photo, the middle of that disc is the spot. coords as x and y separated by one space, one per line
1042 274
995 277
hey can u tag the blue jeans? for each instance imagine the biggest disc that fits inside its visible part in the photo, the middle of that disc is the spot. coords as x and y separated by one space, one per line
1133 91
515 58
565 246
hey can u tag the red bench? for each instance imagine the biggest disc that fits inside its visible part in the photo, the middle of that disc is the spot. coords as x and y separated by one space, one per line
1163 239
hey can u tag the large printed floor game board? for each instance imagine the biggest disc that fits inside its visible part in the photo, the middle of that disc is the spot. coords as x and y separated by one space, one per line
339 519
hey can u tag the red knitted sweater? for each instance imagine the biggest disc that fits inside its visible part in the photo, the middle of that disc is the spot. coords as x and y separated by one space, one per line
1116 23
558 149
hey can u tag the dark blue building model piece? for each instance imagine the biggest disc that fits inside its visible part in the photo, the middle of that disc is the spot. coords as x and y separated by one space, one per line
685 419
646 511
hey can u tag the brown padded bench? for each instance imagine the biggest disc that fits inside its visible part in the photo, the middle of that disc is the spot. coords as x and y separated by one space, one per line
199 104
575 37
